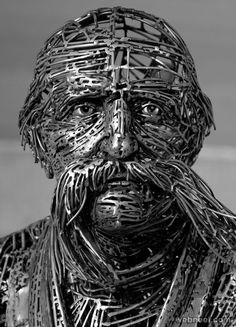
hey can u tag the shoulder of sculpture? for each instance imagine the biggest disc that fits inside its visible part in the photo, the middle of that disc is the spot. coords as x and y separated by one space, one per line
17 251
23 239
20 246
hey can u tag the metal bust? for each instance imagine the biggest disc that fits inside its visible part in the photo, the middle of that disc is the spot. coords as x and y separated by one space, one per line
135 237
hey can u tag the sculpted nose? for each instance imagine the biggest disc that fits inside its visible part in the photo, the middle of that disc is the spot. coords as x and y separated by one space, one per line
120 143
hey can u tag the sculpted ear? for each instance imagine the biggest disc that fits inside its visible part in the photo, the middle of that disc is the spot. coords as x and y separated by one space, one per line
30 134
40 153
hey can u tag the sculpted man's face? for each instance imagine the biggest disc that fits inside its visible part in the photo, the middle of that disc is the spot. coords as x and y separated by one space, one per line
114 122
111 100
113 108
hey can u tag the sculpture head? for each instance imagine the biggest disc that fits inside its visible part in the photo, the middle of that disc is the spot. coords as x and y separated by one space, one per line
115 83
116 113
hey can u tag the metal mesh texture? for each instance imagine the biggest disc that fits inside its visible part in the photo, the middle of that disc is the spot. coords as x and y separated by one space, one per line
110 49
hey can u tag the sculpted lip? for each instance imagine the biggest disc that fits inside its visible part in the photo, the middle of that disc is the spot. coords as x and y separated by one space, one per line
122 203
122 181
124 184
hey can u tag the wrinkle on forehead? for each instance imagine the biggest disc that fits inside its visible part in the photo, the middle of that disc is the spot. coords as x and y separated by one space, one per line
85 84
117 68
103 63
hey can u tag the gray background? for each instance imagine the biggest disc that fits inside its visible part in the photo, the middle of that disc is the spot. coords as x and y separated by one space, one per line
207 26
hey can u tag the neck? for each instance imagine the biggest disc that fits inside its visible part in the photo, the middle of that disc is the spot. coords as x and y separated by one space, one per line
140 290
142 269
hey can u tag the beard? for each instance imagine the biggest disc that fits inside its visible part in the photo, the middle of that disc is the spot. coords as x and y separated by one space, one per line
109 216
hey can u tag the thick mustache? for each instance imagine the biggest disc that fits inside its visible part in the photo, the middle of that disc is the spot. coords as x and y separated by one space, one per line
215 224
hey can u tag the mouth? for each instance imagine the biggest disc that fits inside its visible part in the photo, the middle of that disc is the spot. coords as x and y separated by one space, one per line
116 195
122 203
121 181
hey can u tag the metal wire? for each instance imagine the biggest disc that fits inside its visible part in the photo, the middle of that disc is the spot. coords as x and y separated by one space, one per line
135 237
108 49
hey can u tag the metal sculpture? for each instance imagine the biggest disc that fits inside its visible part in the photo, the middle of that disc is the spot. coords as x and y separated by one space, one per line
135 236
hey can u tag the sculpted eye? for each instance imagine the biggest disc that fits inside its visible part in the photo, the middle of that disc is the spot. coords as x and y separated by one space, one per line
150 109
83 109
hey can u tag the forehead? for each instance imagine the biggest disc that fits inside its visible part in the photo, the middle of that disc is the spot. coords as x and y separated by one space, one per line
117 64
112 48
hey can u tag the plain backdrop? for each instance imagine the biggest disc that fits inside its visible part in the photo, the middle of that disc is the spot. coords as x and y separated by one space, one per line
207 26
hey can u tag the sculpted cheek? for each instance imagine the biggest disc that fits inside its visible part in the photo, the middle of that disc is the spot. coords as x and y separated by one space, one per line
87 144
77 140
56 142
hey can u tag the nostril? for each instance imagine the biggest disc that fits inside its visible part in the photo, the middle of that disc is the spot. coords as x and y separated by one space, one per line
119 146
